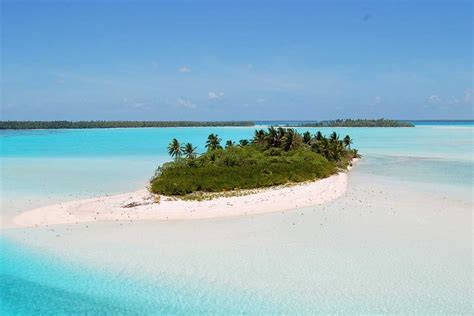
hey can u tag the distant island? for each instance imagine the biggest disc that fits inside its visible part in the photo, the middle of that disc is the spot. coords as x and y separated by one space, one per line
136 124
116 124
355 123
272 157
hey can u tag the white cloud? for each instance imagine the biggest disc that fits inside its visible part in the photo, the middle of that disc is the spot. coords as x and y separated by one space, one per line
185 103
184 69
215 95
261 100
434 98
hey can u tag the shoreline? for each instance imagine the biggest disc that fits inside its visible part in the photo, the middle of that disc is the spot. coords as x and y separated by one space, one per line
141 205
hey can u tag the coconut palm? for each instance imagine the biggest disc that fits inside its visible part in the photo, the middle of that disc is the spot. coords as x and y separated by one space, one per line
318 136
336 150
189 151
281 133
174 149
347 141
259 137
272 138
333 137
229 144
291 140
243 142
307 138
213 142
322 147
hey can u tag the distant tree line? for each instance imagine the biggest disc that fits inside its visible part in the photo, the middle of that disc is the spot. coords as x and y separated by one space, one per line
115 124
130 124
355 123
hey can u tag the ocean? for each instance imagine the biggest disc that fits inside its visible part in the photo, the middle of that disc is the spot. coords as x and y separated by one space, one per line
399 240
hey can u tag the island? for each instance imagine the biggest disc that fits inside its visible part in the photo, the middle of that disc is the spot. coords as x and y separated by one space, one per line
20 125
275 156
354 123
279 169
116 124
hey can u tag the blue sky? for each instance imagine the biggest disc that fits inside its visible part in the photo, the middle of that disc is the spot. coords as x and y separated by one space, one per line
231 60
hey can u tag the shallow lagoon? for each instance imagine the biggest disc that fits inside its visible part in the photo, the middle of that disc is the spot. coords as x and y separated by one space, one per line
398 241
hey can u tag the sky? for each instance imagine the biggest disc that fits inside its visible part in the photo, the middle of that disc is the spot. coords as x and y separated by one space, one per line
236 60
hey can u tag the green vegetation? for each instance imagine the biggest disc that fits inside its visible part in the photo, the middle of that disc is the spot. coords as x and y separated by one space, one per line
274 156
114 124
356 123
128 124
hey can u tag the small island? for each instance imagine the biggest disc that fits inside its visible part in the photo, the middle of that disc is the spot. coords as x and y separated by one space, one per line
273 157
355 123
277 170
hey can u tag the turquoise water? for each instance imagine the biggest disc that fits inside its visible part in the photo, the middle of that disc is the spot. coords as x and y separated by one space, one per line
444 123
34 283
42 167
65 163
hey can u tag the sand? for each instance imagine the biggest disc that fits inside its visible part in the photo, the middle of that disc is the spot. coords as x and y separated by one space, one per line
141 205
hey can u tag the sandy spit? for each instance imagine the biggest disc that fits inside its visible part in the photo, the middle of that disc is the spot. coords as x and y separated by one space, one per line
141 205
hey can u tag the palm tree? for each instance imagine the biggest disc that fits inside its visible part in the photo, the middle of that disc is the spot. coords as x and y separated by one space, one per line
174 149
307 138
347 141
341 150
318 136
229 144
189 151
291 140
336 150
271 137
243 142
259 137
281 133
333 137
322 147
213 142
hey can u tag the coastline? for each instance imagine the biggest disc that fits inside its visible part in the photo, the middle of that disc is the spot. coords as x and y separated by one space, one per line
140 205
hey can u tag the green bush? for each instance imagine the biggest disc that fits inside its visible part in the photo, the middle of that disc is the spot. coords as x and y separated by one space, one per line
240 168
273 157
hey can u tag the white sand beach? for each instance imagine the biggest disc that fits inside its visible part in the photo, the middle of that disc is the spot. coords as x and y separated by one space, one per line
141 205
